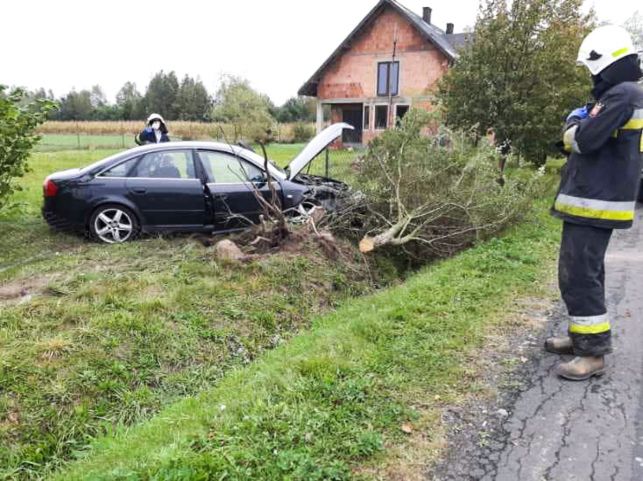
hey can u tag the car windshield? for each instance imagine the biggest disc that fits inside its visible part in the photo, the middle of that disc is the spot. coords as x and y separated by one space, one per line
259 160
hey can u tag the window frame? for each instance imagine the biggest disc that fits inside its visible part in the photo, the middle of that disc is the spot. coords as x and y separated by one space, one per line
190 155
388 92
398 119
366 118
375 125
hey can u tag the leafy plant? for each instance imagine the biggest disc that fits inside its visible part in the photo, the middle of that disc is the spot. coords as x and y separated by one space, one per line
17 136
518 74
436 194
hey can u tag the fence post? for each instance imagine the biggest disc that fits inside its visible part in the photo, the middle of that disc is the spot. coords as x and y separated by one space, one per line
327 161
78 135
122 135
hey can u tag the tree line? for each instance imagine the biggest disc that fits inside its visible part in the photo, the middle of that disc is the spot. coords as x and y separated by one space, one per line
187 99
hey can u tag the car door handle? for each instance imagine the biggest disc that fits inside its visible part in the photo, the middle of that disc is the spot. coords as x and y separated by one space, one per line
221 196
140 191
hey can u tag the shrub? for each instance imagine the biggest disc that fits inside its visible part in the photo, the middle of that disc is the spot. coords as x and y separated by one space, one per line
18 123
302 132
433 195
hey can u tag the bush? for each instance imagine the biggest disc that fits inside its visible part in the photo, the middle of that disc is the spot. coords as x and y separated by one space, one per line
302 132
434 195
18 123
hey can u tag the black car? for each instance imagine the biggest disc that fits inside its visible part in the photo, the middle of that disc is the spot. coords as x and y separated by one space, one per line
182 186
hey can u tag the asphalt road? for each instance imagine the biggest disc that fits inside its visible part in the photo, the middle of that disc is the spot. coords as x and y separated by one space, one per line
564 431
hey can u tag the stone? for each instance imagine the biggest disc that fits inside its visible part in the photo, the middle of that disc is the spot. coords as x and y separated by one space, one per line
228 251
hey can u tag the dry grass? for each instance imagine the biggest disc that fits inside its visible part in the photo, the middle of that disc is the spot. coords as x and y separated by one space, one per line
179 129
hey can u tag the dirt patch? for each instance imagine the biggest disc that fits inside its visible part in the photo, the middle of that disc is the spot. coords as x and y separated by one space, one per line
23 289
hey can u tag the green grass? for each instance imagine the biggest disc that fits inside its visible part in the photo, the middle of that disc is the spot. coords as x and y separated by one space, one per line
115 333
330 403
152 360
57 142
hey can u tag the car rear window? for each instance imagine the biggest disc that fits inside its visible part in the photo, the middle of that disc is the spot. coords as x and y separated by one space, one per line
120 170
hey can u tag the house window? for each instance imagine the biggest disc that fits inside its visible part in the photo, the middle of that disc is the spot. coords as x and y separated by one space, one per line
381 116
367 117
388 78
400 112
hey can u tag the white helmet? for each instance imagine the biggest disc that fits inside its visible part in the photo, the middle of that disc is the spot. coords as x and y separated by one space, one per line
154 117
604 46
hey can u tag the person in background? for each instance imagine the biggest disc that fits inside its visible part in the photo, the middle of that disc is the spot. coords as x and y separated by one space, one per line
155 131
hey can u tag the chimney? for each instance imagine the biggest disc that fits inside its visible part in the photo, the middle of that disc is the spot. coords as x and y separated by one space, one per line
426 14
449 28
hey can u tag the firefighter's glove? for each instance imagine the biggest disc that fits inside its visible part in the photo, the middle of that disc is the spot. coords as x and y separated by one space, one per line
578 114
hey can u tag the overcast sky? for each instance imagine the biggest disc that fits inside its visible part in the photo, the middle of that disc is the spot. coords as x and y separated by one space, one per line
277 45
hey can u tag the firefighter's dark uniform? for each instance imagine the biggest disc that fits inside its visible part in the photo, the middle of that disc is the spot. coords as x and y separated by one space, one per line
597 193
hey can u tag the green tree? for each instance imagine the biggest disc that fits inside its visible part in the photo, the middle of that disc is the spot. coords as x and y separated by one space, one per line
297 109
18 123
519 74
76 106
193 100
161 95
237 103
130 102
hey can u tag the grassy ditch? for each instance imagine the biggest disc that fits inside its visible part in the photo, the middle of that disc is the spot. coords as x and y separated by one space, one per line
336 401
95 336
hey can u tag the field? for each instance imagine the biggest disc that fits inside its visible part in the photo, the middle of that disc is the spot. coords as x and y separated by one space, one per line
119 130
92 337
156 359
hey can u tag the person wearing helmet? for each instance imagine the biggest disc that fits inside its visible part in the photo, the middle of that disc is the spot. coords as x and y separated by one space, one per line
597 194
154 132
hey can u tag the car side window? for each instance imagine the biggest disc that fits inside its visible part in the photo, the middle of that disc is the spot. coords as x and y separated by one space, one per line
225 168
174 164
120 170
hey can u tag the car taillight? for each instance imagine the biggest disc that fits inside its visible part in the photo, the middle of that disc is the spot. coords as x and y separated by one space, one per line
49 188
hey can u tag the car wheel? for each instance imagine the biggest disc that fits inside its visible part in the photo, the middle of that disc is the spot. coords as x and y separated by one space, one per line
113 224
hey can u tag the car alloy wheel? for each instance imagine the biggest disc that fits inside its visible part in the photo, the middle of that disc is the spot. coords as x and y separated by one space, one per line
113 225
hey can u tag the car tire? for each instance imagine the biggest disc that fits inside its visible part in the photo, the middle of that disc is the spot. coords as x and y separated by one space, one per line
640 199
113 224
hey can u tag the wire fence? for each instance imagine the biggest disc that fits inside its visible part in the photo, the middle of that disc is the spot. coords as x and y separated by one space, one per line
94 135
26 239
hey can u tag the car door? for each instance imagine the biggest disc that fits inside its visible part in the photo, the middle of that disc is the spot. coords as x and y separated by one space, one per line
232 182
165 188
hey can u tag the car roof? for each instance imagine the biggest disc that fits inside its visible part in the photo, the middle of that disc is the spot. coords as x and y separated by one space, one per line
150 148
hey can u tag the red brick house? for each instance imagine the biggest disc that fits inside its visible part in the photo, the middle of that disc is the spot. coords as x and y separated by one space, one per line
391 61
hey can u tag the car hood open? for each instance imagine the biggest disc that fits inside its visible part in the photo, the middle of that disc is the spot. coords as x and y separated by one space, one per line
314 147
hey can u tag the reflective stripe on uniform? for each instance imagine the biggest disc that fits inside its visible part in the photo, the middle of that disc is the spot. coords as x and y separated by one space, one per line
635 122
595 209
569 140
589 324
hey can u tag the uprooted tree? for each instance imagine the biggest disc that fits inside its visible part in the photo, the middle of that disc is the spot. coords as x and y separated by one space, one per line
434 194
18 122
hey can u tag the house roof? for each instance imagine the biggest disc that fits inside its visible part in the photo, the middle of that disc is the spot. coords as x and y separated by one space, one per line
447 44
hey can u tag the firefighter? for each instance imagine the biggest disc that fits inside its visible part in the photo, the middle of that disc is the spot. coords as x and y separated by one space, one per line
154 132
598 190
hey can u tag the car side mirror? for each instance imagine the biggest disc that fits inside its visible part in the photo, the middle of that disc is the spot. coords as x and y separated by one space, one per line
260 179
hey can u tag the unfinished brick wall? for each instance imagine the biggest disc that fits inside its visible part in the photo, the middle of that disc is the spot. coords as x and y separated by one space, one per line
354 74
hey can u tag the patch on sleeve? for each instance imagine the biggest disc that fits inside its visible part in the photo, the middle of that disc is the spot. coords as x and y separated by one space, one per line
596 110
